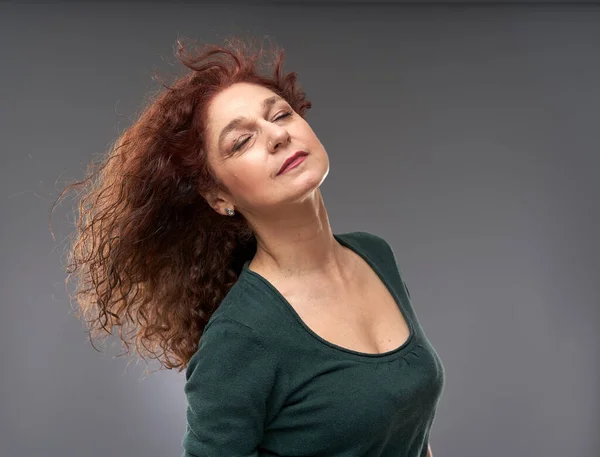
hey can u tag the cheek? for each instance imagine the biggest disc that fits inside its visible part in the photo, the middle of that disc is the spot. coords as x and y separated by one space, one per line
308 133
248 176
252 186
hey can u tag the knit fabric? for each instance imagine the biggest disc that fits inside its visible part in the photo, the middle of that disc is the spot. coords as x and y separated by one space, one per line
262 383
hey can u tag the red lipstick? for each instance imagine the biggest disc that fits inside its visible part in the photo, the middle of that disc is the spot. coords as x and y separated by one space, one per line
293 160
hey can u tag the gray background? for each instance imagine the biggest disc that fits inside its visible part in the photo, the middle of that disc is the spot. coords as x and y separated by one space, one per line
465 135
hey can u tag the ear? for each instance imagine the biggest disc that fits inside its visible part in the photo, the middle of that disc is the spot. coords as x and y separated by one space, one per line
217 201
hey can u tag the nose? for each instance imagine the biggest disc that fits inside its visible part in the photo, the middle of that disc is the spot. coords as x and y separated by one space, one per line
279 136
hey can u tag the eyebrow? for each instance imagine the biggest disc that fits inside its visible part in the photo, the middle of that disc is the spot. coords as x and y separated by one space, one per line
235 123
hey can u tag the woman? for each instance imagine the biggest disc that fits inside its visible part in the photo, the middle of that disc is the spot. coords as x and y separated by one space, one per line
204 234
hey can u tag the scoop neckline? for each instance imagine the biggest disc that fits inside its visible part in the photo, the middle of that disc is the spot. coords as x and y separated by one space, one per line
362 356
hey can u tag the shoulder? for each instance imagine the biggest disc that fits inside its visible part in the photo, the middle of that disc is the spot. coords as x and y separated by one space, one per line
225 340
251 308
370 243
378 249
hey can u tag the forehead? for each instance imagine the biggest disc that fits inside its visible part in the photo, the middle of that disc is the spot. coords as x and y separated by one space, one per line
238 99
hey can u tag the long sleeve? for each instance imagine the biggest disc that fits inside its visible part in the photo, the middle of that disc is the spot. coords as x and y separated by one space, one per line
228 381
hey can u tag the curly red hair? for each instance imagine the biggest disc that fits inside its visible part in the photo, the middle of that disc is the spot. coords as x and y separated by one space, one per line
149 254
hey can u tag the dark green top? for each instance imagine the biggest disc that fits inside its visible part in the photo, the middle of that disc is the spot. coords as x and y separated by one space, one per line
262 383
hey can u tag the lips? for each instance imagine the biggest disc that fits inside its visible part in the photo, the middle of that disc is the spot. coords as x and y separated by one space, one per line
291 159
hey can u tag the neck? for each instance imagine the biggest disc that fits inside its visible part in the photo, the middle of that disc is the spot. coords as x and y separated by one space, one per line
299 242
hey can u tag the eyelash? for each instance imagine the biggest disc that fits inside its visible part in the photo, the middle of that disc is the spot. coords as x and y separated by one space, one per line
238 146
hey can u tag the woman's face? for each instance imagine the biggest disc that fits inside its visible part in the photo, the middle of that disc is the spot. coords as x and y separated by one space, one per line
251 131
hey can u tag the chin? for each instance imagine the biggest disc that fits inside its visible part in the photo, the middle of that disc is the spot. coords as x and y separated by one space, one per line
312 178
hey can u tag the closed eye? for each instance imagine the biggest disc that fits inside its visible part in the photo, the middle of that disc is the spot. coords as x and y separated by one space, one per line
242 143
286 114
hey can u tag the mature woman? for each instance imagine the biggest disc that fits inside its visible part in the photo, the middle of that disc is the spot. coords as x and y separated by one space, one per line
204 234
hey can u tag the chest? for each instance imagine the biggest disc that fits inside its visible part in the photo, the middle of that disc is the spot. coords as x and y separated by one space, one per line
363 317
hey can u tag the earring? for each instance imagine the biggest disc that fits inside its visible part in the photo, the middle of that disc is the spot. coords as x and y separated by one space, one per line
229 212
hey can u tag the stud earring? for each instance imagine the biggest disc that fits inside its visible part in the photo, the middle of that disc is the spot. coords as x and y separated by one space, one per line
229 212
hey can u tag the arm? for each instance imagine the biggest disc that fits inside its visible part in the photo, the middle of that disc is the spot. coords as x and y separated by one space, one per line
228 381
429 453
